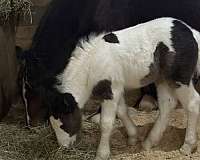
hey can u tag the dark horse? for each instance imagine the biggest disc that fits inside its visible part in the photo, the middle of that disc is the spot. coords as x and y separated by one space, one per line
66 22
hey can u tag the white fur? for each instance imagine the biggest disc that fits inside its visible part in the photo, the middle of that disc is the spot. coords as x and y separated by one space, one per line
124 64
63 137
196 35
167 102
190 100
122 113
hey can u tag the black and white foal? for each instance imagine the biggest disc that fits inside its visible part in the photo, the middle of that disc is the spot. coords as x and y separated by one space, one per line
163 51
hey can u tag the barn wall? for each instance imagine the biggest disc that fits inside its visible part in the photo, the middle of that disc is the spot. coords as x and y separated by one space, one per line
26 29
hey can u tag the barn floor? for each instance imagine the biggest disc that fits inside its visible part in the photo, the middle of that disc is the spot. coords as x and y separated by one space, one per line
39 143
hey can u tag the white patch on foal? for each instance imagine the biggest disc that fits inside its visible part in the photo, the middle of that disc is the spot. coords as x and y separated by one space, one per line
63 137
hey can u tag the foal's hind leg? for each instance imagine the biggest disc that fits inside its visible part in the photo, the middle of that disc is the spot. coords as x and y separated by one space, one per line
190 100
122 113
166 103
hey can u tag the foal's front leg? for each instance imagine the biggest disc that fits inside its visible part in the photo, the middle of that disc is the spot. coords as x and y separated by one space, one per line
122 113
108 115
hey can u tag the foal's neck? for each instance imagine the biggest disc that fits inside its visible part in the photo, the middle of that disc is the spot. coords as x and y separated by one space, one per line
74 78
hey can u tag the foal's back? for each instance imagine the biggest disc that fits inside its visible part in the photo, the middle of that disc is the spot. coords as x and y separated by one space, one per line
143 53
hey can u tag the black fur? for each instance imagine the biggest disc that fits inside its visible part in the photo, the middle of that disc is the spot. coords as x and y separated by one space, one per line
66 21
111 38
70 115
161 67
174 66
103 90
65 108
186 56
71 122
177 66
61 103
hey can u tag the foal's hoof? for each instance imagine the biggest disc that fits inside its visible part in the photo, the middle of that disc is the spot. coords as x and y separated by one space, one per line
146 145
101 158
187 149
102 154
132 141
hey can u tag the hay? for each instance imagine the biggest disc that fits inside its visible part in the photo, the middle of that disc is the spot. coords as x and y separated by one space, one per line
14 7
39 143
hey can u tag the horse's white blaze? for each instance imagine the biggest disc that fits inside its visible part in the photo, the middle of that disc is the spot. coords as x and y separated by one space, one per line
63 137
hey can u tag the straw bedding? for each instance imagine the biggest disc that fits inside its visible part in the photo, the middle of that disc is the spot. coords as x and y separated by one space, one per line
39 143
14 7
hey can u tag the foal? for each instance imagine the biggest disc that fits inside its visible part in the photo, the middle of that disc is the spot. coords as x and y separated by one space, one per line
163 51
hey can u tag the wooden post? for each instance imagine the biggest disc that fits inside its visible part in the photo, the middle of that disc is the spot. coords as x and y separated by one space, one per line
8 66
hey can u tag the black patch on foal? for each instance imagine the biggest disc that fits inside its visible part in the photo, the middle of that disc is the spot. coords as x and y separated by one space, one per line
186 56
178 65
162 58
71 119
111 38
66 109
71 122
103 90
